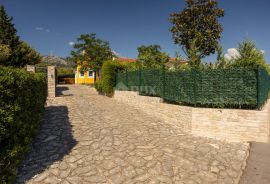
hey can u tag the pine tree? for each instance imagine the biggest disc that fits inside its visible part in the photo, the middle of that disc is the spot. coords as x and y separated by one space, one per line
7 30
8 35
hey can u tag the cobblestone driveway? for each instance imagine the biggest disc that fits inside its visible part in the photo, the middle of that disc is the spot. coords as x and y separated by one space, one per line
88 138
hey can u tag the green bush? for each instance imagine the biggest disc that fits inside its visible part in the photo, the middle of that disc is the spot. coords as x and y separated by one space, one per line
65 71
22 99
108 77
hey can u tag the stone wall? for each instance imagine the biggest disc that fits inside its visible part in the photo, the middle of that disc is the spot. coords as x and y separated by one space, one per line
233 125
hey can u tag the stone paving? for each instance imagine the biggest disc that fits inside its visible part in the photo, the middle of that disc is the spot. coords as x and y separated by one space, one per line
88 138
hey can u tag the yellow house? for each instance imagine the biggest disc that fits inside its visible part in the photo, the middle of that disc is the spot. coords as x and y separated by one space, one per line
84 76
88 76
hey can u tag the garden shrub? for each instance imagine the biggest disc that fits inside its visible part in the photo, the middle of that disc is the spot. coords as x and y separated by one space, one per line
65 71
22 99
108 77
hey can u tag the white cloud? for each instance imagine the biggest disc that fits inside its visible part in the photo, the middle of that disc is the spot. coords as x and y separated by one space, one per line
116 53
39 28
263 51
71 43
227 57
232 53
42 29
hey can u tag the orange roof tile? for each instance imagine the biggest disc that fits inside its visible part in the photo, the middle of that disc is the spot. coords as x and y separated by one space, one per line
125 59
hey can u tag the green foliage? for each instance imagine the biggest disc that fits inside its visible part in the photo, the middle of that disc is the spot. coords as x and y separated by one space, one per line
22 99
91 52
131 66
194 55
151 56
8 37
7 30
26 55
179 57
108 79
196 28
230 88
221 61
250 57
65 71
16 53
5 53
184 67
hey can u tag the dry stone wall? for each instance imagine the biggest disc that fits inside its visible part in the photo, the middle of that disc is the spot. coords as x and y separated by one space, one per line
232 125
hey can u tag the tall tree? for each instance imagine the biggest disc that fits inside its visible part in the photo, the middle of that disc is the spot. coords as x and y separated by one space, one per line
14 52
7 30
5 53
91 52
196 28
151 56
25 54
8 34
249 56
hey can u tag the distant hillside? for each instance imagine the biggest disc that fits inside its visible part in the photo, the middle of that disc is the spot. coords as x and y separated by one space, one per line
56 61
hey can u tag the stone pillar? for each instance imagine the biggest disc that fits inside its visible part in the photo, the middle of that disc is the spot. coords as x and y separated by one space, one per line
51 81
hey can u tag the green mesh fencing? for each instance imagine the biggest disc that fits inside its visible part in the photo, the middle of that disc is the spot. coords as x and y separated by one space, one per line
180 87
133 80
237 88
151 82
263 86
121 82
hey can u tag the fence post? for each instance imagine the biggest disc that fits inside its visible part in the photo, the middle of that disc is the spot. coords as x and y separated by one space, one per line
163 81
140 79
258 87
127 79
194 71
116 79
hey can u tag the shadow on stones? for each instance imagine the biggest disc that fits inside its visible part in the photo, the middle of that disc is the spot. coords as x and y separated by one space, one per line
62 91
52 143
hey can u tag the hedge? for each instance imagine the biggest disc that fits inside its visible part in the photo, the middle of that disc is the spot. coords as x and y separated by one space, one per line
108 77
224 88
22 99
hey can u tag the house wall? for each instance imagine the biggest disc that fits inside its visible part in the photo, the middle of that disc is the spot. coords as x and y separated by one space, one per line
84 79
234 125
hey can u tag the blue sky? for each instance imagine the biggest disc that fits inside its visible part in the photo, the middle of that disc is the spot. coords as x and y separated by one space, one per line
49 25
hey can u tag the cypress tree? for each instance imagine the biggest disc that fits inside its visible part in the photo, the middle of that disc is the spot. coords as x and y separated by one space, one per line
7 30
8 35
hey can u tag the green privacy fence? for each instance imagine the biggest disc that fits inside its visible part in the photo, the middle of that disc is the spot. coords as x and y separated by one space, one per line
234 88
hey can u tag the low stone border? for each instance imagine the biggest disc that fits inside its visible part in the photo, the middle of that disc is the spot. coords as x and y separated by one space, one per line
233 125
244 164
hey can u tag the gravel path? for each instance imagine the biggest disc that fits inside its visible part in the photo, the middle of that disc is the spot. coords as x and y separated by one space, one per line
88 138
